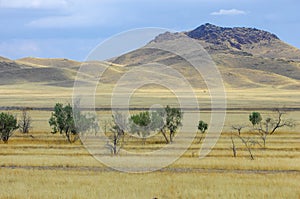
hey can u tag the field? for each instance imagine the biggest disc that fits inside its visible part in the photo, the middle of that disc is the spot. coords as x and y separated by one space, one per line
46 166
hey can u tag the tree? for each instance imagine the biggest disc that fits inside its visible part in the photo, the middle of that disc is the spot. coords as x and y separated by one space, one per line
158 123
66 121
202 127
173 120
8 124
248 142
139 124
238 128
255 118
270 125
166 120
25 122
157 120
117 133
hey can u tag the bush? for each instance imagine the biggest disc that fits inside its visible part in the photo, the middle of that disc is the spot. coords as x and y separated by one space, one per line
8 124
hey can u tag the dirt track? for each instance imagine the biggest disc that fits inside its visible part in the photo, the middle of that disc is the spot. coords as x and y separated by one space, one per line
173 170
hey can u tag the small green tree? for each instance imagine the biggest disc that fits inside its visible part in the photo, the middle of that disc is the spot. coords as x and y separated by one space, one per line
166 120
202 126
66 121
173 120
139 124
255 118
8 124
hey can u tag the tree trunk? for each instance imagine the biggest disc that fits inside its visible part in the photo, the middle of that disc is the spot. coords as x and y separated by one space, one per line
264 137
171 136
115 150
252 158
201 138
5 139
115 145
165 136
248 147
68 138
233 147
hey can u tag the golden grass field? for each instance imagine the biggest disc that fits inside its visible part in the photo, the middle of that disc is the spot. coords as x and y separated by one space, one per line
46 166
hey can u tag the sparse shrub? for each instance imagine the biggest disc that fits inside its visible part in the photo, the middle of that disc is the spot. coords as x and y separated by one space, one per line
8 124
25 122
202 126
255 118
139 124
117 133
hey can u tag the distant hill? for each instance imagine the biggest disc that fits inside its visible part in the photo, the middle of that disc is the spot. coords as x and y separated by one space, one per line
4 59
246 57
49 62
34 70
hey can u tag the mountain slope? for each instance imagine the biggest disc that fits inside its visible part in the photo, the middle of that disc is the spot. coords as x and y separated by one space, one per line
18 72
238 50
250 40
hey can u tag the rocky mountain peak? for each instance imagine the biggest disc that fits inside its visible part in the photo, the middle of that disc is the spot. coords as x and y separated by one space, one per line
236 37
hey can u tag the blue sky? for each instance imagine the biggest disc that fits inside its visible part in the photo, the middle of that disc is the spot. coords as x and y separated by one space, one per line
72 28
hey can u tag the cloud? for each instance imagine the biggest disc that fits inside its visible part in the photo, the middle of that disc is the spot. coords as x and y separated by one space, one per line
33 4
229 12
81 14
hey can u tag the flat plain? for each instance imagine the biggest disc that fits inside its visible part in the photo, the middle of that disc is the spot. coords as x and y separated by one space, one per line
43 165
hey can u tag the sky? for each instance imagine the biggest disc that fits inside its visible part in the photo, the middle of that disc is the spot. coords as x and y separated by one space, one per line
72 28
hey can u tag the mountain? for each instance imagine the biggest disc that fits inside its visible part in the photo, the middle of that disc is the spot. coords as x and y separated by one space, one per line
246 57
250 40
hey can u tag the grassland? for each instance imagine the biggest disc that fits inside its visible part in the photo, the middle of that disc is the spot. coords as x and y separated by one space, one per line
89 184
46 166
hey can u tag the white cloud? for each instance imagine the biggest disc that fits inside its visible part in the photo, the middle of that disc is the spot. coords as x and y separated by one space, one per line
80 14
229 12
36 4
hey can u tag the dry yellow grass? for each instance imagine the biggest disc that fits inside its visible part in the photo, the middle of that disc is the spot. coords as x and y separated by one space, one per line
20 183
46 166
